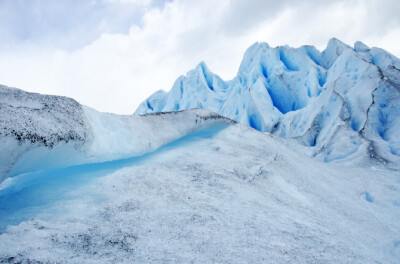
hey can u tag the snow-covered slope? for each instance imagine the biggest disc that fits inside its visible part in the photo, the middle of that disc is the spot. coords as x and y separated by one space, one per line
40 132
343 102
179 187
224 194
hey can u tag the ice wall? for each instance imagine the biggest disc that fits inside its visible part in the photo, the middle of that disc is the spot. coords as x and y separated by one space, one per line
342 102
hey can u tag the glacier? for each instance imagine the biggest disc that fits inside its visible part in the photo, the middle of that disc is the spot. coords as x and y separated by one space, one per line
42 132
216 191
342 103
195 186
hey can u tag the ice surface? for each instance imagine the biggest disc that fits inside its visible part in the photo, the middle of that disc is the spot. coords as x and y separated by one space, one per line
27 193
29 119
80 186
41 132
225 194
325 100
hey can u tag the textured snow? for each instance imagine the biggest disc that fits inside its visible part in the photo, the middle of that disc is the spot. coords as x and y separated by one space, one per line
29 120
224 194
193 186
343 103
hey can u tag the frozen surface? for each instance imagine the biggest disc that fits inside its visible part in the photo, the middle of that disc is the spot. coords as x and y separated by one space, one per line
28 120
40 132
343 103
29 192
224 194
80 186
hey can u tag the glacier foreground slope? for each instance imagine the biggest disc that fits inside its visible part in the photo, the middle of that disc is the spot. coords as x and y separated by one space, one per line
41 132
180 187
343 102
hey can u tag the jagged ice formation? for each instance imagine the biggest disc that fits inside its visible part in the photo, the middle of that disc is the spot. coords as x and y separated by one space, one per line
343 103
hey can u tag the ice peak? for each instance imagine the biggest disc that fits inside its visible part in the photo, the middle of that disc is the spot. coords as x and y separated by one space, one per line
334 42
252 56
202 67
256 48
360 47
206 76
201 64
333 50
259 45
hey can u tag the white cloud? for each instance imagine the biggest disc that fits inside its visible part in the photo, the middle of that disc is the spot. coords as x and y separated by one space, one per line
136 2
117 71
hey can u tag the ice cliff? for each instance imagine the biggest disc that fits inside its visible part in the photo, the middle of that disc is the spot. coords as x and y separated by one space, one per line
342 103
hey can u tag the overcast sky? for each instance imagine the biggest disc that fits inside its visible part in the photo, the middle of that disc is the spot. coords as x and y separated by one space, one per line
113 54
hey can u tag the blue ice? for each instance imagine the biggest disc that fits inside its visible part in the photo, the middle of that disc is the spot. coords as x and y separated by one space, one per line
34 192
